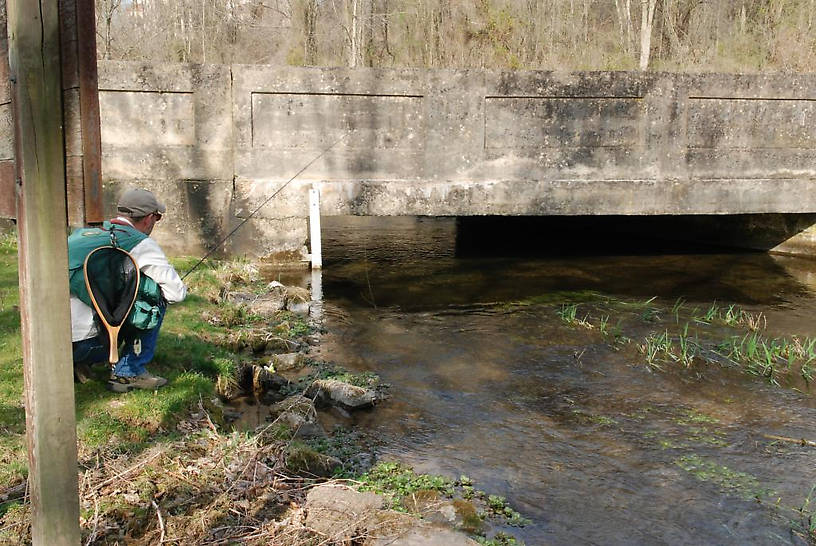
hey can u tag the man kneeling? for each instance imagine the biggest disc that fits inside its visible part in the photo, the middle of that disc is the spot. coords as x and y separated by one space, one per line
139 210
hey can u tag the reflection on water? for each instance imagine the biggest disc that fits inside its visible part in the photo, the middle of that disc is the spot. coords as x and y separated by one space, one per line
584 439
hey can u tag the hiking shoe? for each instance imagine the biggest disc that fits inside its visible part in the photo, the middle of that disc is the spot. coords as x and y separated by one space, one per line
82 373
146 380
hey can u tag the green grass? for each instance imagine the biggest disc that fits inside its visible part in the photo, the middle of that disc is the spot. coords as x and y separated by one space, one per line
395 481
772 358
192 354
398 483
13 465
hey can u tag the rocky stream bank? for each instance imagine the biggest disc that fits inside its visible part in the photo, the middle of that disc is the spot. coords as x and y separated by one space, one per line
184 465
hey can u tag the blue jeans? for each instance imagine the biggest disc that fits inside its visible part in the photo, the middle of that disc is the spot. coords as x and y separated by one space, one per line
130 364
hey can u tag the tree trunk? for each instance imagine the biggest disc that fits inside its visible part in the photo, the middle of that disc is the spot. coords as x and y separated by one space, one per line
203 33
310 27
354 39
385 31
368 50
625 23
647 9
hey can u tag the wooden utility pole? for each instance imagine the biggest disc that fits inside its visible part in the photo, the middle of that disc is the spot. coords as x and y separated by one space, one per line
34 59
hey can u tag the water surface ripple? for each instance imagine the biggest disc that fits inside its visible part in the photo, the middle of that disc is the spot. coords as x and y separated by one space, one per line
580 436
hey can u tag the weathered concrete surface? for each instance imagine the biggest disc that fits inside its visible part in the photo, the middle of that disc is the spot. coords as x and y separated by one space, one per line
216 142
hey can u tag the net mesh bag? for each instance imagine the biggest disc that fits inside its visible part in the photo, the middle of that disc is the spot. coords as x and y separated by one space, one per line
112 279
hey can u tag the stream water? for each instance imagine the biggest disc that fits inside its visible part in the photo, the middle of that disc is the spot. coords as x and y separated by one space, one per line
579 434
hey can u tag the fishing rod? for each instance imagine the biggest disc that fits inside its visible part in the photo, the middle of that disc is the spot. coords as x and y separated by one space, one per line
222 241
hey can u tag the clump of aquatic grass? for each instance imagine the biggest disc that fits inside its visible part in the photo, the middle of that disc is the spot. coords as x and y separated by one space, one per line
688 347
709 316
676 308
650 314
618 337
603 325
772 357
664 347
657 347
406 491
808 515
744 485
732 315
569 314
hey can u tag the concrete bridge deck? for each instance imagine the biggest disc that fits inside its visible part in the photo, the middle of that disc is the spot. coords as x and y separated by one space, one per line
215 141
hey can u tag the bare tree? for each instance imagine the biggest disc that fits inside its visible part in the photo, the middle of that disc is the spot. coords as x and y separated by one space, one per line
310 28
730 35
624 10
647 10
354 33
106 9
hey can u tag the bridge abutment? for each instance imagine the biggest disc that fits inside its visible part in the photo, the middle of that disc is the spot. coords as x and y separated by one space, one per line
216 141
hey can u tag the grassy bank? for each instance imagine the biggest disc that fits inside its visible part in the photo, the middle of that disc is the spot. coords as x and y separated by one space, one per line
166 466
192 353
202 346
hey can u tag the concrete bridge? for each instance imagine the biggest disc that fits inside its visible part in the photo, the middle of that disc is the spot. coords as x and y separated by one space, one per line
215 141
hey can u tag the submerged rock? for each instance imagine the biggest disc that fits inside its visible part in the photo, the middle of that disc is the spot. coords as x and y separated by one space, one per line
287 362
295 411
338 393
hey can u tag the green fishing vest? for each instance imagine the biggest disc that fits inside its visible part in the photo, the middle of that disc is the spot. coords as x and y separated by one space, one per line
145 312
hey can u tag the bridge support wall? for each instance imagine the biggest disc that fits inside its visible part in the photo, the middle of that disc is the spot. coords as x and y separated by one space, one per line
216 141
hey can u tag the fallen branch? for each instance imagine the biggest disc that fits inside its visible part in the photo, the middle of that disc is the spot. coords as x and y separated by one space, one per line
92 536
161 520
800 441
126 472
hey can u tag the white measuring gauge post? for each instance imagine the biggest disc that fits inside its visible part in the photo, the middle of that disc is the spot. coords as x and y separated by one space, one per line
314 228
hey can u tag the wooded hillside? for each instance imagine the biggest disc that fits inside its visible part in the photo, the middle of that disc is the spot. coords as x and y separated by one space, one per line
676 35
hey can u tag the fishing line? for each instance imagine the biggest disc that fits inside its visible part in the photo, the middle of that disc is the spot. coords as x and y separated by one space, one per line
222 241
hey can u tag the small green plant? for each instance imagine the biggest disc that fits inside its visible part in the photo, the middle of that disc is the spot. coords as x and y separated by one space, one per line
744 485
650 314
603 325
395 481
808 515
618 337
678 305
569 314
657 347
689 348
500 539
709 316
732 315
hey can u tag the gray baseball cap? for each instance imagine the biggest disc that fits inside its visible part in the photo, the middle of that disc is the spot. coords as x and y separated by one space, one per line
137 202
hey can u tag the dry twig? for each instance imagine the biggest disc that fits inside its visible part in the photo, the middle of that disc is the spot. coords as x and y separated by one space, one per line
161 520
800 441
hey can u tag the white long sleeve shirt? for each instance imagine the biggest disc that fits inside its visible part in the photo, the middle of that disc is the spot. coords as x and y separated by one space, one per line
152 262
